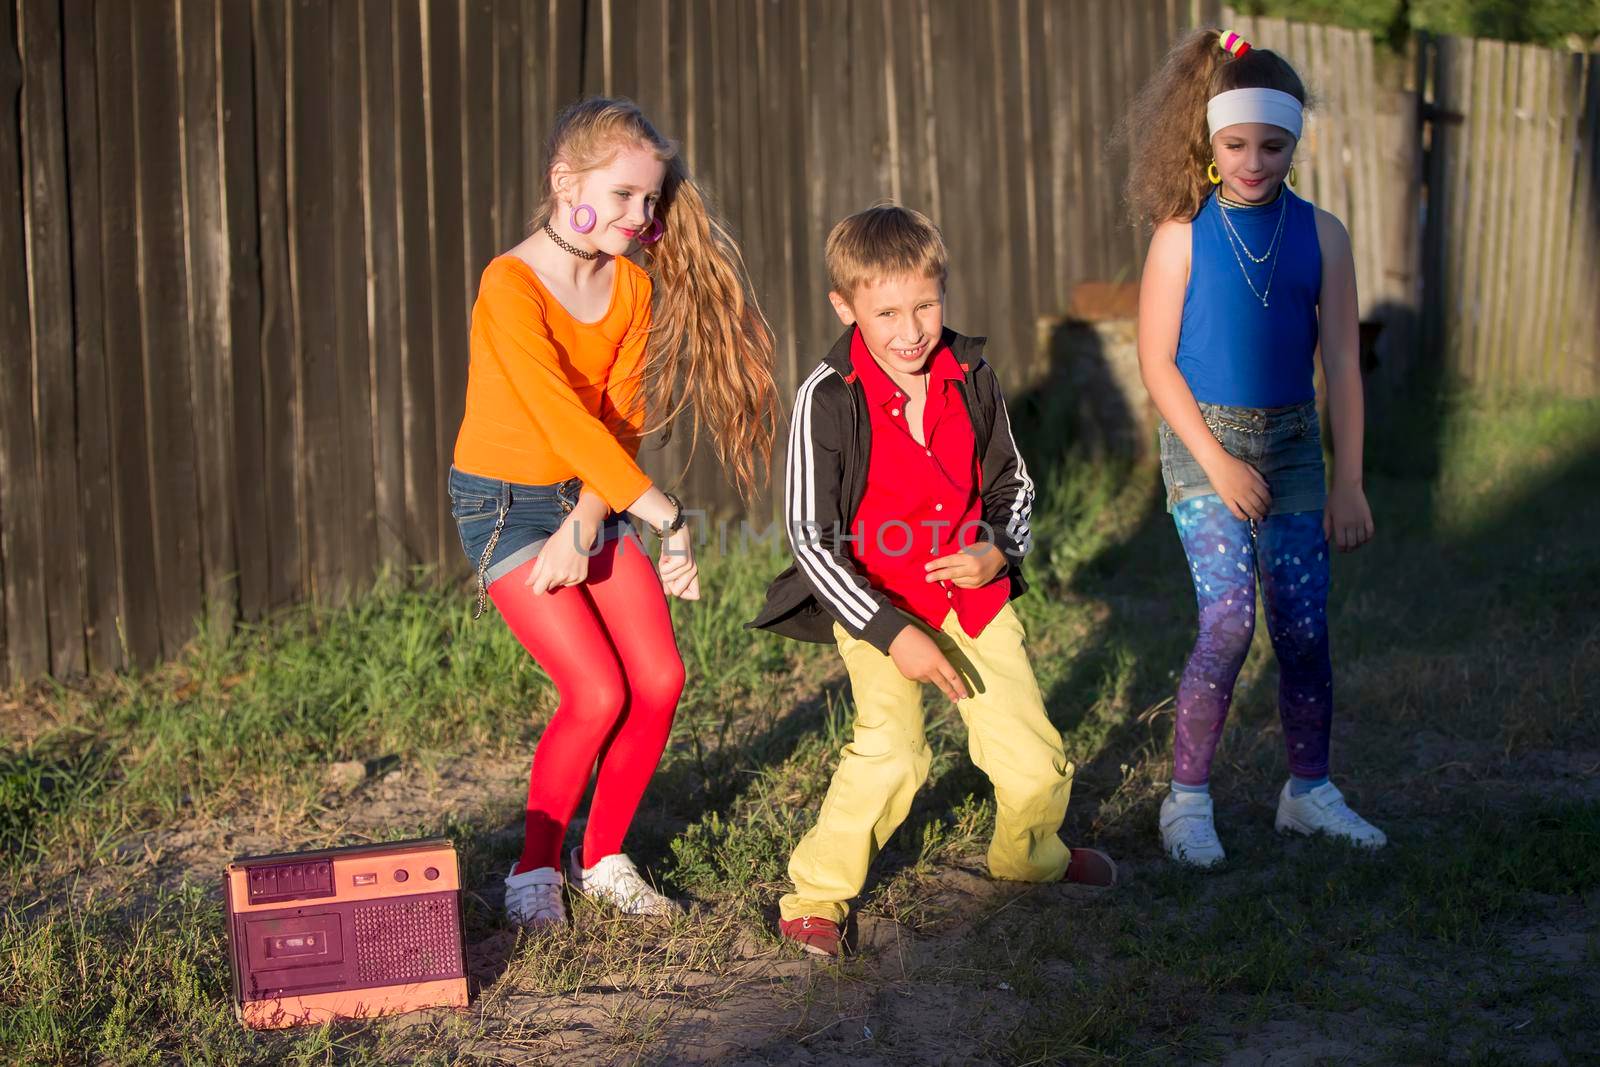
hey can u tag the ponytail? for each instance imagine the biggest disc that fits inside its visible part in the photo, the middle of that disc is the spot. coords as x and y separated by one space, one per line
1169 147
710 337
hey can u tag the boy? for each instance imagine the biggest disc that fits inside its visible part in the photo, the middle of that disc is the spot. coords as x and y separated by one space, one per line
907 507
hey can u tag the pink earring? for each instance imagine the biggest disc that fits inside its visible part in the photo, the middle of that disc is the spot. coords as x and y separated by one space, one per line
585 213
654 232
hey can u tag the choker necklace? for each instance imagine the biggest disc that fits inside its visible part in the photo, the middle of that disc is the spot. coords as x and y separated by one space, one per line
564 246
1231 202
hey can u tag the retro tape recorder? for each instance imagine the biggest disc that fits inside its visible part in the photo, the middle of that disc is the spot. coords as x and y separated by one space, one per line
345 933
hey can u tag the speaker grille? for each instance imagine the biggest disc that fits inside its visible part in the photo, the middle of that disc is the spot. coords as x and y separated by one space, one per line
409 939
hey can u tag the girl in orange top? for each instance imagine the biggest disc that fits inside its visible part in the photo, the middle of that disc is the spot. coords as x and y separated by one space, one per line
577 353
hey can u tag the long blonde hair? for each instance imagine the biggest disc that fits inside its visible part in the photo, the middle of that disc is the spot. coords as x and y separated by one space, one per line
1165 128
710 346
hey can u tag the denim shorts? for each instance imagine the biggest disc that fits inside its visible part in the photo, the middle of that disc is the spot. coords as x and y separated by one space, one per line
526 515
1283 444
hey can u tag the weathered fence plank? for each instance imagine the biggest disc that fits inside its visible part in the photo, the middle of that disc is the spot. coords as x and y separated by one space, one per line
118 260
452 277
349 296
21 536
424 475
164 306
380 160
314 275
208 263
49 249
284 484
97 543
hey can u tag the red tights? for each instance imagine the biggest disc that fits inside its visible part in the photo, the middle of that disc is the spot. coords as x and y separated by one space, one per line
608 646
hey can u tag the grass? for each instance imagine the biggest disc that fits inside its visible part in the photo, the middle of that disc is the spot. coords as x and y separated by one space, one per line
1467 652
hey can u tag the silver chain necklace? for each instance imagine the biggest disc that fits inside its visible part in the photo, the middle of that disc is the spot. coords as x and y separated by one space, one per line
1228 221
1271 252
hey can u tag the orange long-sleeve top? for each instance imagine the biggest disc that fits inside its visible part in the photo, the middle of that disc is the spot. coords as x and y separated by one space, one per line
551 398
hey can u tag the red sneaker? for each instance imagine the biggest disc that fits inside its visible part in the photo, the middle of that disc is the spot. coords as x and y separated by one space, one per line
1090 866
816 935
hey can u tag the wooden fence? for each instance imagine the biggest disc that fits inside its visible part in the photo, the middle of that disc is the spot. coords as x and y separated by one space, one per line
1512 245
236 279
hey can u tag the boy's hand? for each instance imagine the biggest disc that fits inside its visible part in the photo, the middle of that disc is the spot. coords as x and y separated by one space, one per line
1347 519
918 657
971 568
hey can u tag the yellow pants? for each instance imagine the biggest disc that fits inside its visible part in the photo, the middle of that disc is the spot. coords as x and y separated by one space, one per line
880 770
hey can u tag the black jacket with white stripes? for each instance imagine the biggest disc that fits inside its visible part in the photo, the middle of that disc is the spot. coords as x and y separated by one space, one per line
830 444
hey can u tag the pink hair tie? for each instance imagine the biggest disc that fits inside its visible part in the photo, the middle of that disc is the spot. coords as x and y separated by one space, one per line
1233 44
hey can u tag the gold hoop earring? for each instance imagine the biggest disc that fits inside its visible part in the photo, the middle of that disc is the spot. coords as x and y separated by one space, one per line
1216 178
1291 176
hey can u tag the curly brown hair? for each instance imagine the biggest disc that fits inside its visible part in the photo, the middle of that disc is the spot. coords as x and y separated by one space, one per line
1165 128
710 349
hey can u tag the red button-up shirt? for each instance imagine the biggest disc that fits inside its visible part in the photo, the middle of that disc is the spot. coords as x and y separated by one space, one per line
922 501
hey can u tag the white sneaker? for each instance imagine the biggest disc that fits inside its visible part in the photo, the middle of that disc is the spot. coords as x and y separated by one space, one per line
1188 832
1323 811
533 898
616 881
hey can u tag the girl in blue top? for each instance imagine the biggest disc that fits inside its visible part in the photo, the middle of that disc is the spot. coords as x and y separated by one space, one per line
1242 281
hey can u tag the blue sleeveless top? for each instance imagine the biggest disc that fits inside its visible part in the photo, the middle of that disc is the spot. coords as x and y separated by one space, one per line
1231 350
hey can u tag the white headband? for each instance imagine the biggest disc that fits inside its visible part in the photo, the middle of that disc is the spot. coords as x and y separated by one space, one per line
1271 106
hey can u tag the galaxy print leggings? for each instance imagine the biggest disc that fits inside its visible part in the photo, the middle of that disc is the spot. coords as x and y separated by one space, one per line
1226 555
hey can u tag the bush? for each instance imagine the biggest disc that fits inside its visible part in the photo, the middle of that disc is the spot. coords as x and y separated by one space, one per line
1546 22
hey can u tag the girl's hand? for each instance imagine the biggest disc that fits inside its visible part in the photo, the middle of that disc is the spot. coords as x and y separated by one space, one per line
971 568
1347 519
680 577
564 559
918 657
1240 486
